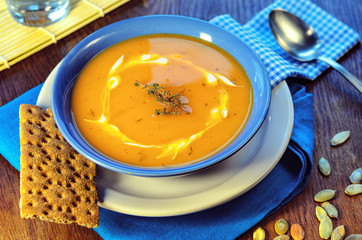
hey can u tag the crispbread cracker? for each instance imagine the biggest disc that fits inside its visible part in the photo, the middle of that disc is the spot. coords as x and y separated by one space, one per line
56 183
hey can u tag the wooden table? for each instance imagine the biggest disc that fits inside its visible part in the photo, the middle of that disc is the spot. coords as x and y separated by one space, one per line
337 107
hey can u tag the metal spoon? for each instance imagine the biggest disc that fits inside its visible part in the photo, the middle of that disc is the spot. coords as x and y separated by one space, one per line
300 40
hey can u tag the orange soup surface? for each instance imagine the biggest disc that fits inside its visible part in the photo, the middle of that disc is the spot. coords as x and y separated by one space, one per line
115 106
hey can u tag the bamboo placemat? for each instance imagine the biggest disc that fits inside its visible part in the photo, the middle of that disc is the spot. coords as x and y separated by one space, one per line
18 42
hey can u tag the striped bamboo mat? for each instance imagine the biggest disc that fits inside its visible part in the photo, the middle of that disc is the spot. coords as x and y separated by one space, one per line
18 42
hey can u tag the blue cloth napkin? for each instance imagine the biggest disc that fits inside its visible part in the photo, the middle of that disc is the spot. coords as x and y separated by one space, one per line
336 38
293 170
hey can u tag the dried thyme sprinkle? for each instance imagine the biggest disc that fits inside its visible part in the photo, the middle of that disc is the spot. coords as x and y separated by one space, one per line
173 103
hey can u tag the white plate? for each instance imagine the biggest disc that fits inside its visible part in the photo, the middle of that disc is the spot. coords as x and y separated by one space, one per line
170 196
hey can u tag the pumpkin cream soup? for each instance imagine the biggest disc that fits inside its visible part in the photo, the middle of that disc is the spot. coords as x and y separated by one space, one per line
161 100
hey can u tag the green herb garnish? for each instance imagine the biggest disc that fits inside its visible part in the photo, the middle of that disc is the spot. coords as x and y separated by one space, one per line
173 104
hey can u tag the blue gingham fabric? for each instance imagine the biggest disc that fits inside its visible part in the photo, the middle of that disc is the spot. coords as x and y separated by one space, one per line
336 38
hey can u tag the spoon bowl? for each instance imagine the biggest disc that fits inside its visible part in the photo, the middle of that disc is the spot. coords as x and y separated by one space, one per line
301 41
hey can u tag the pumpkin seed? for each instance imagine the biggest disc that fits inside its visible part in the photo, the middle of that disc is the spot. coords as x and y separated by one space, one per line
320 213
297 232
338 233
259 234
353 189
340 138
281 226
324 166
330 209
325 228
282 237
324 195
356 176
354 237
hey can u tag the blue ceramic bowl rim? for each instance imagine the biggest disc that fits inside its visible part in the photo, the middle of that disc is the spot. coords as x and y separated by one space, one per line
105 37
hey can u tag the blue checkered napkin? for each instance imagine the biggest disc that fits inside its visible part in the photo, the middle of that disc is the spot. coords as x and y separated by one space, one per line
336 38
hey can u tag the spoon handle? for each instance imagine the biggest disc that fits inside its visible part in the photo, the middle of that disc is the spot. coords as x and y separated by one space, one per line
352 79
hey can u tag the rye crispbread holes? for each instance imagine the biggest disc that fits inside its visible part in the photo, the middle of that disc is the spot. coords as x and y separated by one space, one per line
56 183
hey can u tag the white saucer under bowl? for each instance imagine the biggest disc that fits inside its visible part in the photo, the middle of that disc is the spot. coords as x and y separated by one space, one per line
171 196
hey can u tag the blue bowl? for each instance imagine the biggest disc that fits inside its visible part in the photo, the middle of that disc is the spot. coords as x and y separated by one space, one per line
92 45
